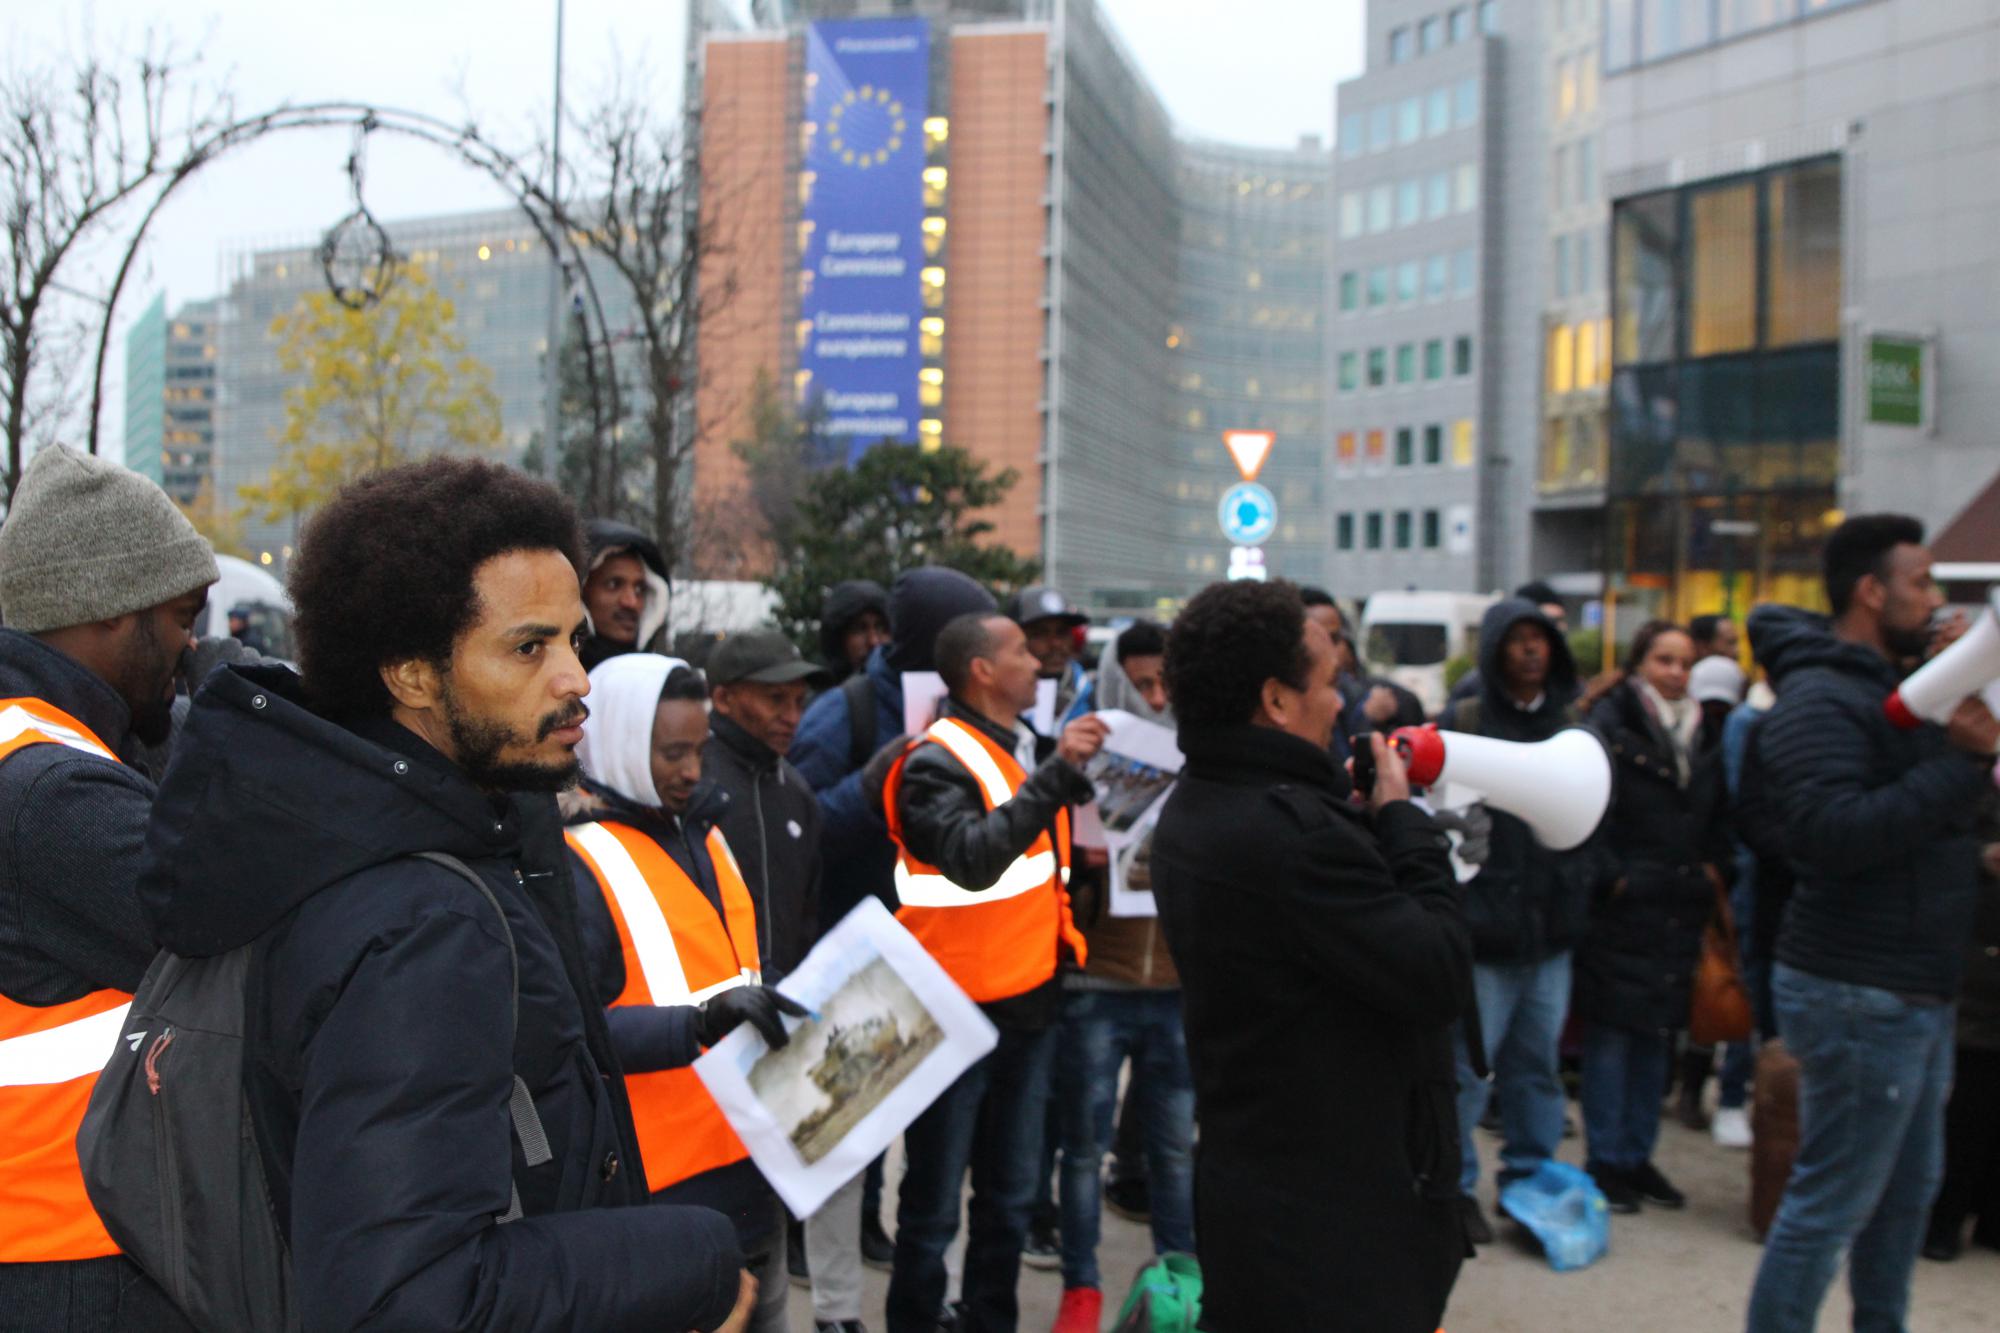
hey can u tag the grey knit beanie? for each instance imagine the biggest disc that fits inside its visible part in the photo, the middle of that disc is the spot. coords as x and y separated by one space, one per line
88 540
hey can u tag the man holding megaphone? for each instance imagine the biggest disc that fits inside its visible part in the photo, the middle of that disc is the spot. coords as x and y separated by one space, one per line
1879 823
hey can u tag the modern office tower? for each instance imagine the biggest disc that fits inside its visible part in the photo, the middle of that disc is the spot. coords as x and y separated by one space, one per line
974 223
1439 234
170 395
1804 290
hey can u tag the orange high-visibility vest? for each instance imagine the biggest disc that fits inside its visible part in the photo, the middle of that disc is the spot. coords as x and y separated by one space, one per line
1003 940
678 950
50 1056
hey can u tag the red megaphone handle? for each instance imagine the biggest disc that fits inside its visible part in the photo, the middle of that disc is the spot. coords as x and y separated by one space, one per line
1422 749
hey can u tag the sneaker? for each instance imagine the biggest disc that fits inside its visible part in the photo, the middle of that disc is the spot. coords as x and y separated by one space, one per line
1043 1250
1619 1195
1129 1199
1477 1229
877 1250
1731 1127
1655 1188
1082 1311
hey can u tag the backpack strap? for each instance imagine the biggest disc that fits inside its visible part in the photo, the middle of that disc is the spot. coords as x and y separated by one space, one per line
520 1103
859 691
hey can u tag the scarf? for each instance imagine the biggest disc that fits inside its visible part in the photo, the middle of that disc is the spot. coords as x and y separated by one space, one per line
617 748
1678 719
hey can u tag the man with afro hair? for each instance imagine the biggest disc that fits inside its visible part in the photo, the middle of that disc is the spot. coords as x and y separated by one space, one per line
393 1020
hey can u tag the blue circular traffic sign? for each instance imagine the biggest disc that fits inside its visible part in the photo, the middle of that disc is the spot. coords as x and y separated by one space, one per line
1249 513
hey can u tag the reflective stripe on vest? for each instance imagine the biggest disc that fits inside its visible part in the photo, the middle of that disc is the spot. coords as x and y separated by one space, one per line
678 951
50 1057
1003 940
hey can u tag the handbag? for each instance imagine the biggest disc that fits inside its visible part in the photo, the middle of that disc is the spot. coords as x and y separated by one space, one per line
1720 1010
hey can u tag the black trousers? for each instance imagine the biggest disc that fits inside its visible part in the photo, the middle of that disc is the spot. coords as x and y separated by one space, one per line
85 1296
1971 1149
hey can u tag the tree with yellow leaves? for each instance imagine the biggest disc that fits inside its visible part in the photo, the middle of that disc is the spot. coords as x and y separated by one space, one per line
223 526
382 385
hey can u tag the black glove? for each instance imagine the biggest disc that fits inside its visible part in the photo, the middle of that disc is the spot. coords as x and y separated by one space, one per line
759 1006
876 771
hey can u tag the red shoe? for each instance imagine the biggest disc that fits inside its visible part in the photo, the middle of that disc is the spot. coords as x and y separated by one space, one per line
1082 1311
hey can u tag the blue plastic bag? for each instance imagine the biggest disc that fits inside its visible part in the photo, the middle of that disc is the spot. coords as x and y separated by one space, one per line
1565 1210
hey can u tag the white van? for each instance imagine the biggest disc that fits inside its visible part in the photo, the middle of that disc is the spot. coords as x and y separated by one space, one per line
1409 636
263 600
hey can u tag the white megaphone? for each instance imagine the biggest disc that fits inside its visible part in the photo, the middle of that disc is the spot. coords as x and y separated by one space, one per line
1953 676
1559 787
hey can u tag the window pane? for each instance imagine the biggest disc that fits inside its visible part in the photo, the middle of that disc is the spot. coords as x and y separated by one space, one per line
1561 358
1378 367
1437 201
1431 35
1406 280
1436 271
1410 120
1353 133
1377 451
1722 270
1738 16
1378 286
1343 532
1405 446
1565 89
1402 529
1437 111
1430 529
1463 272
1559 264
1434 359
1380 200
1381 127
1586 354
1803 299
1620 16
1461 355
1466 187
1433 445
1399 46
1668 26
1489 15
1586 170
1350 371
1465 102
1350 290
1586 269
1586 83
1461 24
1409 202
1373 529
1350 214
1344 449
1559 178
1406 363
1645 235
1461 442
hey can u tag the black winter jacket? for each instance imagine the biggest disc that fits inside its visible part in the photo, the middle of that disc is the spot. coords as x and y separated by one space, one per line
648 1037
380 1064
1323 961
1878 822
946 824
1635 970
1527 903
772 822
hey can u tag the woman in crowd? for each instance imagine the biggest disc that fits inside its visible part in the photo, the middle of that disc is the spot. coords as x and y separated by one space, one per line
1664 842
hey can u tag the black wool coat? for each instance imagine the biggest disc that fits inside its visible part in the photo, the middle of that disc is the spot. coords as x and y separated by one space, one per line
1324 961
1635 968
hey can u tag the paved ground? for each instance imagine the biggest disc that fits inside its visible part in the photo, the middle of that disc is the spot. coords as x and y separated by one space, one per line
1688 1272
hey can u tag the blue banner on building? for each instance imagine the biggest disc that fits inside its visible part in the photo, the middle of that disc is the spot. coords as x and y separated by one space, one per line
867 86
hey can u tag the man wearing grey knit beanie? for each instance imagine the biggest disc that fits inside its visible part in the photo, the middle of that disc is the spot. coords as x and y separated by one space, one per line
101 580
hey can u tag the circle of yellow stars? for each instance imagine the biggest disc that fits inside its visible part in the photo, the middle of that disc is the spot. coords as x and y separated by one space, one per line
865 95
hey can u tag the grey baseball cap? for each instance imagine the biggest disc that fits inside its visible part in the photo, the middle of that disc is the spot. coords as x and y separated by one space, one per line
765 657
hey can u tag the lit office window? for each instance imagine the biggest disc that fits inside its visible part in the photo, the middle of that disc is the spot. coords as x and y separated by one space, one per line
1377 448
1344 451
1562 365
1722 271
1462 442
1565 88
1802 297
1586 354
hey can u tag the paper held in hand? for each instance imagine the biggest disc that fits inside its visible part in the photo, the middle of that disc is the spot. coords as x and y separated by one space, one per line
1133 774
888 1034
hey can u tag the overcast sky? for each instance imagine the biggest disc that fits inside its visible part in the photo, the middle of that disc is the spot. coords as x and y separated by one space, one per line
1249 71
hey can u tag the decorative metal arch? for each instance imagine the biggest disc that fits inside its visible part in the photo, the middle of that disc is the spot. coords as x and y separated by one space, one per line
536 203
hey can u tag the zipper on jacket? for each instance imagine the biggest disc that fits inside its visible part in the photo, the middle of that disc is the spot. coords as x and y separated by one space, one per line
764 856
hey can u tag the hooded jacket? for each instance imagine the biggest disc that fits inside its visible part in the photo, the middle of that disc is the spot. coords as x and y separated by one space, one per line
858 857
649 1038
772 821
608 537
844 602
1878 822
378 1059
1323 963
1527 903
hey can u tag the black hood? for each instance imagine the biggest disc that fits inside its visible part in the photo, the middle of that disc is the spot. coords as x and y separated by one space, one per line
922 603
845 602
1501 617
266 803
1785 639
606 534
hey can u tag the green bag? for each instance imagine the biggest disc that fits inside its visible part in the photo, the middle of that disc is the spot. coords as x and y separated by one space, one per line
1166 1297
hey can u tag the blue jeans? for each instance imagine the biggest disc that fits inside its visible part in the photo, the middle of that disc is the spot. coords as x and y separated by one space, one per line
990 1120
1521 1011
1624 1078
1099 1030
1874 1073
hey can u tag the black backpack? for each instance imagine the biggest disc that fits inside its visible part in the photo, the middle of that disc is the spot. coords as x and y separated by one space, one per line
170 1152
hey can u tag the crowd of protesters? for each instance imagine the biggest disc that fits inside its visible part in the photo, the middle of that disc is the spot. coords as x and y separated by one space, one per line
497 868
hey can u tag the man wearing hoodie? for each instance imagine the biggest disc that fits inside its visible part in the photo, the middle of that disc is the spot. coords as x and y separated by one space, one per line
672 937
1526 908
624 593
1880 829
853 622
101 580
841 732
439 617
